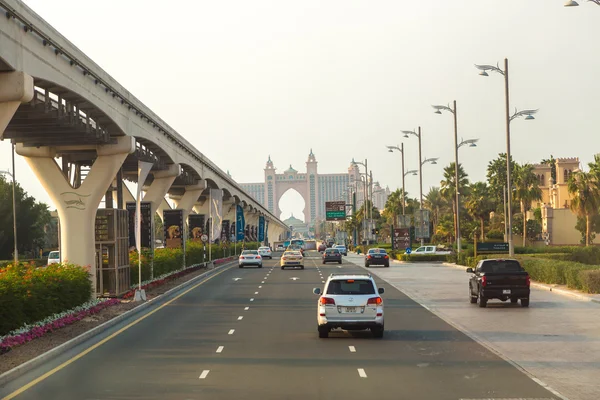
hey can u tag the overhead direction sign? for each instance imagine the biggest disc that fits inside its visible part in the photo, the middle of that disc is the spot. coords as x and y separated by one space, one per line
335 210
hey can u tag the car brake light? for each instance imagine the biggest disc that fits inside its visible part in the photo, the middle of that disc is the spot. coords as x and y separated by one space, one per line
327 300
483 281
386 256
369 256
242 258
375 300
350 281
284 258
258 257
528 281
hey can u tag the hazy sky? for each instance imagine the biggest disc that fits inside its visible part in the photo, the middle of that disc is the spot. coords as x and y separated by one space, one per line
245 79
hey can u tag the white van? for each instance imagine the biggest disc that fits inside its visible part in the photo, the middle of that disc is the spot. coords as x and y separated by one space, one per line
53 257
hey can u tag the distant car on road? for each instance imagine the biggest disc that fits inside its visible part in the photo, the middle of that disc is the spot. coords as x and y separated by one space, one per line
280 247
377 257
342 249
332 255
250 257
53 257
499 279
265 252
351 302
292 258
322 247
295 247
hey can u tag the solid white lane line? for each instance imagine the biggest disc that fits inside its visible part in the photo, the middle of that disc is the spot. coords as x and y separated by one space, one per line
246 308
352 349
204 373
240 318
362 373
220 349
231 331
251 299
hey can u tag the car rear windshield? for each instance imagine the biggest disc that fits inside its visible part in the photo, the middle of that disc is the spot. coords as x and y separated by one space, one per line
250 252
501 266
351 286
264 248
377 251
53 255
335 251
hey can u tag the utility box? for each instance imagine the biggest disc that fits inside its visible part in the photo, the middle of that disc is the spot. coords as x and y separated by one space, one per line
112 252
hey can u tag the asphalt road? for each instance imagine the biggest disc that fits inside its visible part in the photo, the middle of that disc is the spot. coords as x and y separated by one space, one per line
251 334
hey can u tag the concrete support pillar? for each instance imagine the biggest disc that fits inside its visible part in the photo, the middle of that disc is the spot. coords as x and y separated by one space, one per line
159 188
77 207
272 233
202 207
15 88
188 201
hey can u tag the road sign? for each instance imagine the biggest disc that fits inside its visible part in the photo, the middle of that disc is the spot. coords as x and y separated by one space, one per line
335 210
408 250
204 238
422 224
493 247
401 238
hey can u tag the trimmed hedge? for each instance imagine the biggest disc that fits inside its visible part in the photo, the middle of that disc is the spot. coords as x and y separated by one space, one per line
421 257
29 294
590 281
38 262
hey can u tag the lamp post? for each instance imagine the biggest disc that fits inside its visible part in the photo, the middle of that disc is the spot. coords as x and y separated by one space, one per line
509 118
14 206
421 163
573 3
401 150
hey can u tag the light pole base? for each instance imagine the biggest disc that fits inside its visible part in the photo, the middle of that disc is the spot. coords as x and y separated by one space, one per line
140 295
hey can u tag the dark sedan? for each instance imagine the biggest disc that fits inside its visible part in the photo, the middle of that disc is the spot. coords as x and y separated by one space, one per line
377 257
332 255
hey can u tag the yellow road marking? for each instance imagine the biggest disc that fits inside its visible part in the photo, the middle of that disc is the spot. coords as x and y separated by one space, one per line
100 343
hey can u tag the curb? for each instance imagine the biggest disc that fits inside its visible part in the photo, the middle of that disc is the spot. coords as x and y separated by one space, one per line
545 286
57 351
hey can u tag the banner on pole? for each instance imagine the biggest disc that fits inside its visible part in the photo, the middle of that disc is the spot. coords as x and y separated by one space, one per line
197 226
240 223
143 171
422 224
216 213
145 222
173 226
261 228
225 231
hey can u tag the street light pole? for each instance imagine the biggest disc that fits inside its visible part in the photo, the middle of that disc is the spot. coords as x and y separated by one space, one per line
403 176
457 201
420 174
14 201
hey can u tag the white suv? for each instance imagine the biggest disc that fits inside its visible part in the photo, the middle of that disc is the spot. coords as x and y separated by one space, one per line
265 252
351 302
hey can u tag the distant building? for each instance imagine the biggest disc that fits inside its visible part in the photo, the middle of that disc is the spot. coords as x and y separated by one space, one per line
298 226
558 221
315 188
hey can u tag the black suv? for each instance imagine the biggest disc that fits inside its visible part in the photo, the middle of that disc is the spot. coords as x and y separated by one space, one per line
332 255
377 257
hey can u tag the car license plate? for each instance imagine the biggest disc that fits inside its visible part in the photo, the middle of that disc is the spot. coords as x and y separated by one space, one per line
506 291
350 309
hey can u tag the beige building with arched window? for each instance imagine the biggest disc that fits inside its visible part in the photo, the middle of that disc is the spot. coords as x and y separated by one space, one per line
558 221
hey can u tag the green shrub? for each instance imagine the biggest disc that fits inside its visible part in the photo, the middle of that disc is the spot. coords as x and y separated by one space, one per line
167 260
590 281
38 262
29 294
495 234
422 257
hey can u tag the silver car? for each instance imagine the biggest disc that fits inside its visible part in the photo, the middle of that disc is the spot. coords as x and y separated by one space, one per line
250 257
351 302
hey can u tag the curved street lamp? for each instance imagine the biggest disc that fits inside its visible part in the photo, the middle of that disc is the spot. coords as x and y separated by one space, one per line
509 118
401 150
573 3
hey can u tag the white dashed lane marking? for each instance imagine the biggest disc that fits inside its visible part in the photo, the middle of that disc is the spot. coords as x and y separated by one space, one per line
260 287
255 292
220 349
231 331
362 373
352 349
204 374
240 318
251 299
246 308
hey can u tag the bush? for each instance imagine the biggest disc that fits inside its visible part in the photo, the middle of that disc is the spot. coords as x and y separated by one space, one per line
590 281
422 257
38 262
495 234
29 294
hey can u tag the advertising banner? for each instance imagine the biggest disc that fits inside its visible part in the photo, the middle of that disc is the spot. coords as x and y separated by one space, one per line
422 224
216 213
197 226
261 228
146 224
240 223
225 231
173 225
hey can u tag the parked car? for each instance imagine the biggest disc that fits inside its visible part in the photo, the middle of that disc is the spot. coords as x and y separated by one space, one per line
430 250
292 258
499 279
53 257
342 249
265 252
332 255
250 257
377 257
351 302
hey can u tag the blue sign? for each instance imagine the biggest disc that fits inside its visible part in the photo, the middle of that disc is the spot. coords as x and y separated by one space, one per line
261 228
240 223
408 250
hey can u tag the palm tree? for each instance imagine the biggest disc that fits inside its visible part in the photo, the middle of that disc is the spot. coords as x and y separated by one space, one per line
551 162
479 204
586 199
434 201
449 187
527 190
394 205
